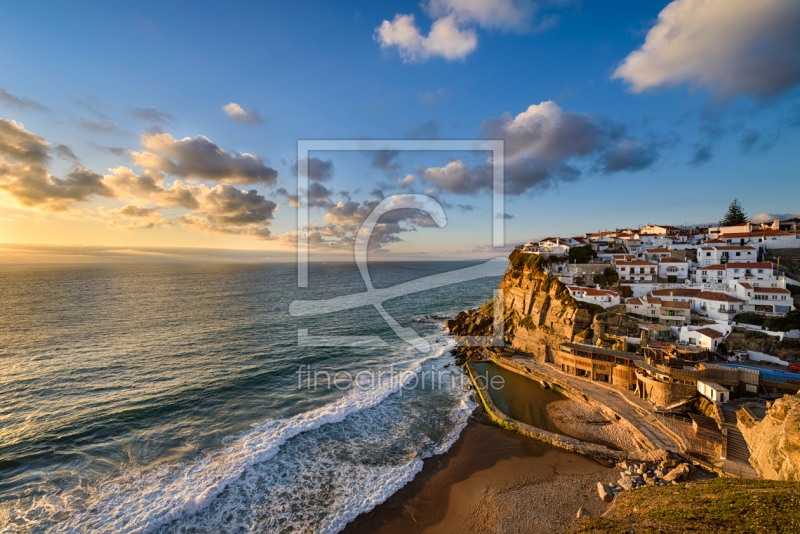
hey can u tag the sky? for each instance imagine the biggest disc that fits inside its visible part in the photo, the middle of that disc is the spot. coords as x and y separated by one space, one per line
142 130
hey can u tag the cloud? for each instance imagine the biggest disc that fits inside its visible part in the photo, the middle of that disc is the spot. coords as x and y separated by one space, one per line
408 181
221 209
423 130
34 186
242 115
18 144
629 155
445 39
433 98
101 126
730 47
152 115
465 207
343 220
506 15
200 158
541 144
384 160
319 196
452 35
63 151
769 217
701 153
19 102
144 218
505 216
318 170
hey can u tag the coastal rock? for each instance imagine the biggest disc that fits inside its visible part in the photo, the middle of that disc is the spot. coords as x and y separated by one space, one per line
775 440
604 493
679 473
626 483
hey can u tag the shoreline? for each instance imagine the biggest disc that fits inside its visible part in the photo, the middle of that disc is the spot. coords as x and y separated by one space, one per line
492 480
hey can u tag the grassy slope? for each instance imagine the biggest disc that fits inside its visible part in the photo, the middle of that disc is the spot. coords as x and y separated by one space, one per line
711 506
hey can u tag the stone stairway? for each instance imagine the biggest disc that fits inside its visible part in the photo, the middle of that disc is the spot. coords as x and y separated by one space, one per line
737 446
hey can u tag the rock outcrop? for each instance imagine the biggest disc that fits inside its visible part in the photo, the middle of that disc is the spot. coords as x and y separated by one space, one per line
775 441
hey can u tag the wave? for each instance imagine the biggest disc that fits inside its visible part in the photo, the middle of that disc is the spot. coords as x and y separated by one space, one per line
139 503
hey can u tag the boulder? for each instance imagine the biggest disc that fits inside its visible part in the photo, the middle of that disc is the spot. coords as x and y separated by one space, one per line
679 473
626 483
604 493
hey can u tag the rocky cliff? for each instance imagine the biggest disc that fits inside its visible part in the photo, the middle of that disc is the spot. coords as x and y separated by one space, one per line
540 314
775 440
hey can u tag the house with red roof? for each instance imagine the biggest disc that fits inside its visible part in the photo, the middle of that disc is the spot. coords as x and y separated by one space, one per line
636 271
598 296
732 271
772 297
723 253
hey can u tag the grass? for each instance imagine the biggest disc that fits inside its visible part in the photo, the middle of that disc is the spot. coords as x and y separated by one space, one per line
710 506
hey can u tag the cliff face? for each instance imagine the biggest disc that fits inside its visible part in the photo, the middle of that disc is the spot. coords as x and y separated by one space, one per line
743 339
542 313
775 440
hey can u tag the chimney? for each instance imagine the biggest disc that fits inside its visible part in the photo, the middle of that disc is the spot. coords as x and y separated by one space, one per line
776 224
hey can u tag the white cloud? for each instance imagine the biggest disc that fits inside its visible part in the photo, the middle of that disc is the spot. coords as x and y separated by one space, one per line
242 115
444 40
452 35
728 46
769 217
408 181
500 14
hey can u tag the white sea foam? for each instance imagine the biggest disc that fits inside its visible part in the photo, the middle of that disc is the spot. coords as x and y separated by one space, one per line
143 503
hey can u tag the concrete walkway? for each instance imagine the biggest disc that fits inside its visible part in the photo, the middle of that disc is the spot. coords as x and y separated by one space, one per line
630 407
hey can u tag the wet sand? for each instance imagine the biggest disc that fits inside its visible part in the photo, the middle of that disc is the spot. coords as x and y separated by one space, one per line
492 480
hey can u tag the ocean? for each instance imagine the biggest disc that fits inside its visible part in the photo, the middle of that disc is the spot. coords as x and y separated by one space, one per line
176 399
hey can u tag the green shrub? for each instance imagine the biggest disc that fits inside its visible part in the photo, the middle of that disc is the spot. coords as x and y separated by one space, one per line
527 323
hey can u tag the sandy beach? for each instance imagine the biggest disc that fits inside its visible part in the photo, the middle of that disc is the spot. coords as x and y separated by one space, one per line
492 480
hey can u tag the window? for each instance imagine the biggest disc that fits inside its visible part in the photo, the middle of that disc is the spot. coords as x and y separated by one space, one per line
736 271
761 271
738 253
708 254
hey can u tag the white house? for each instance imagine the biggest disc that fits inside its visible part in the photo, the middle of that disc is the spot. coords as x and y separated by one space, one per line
660 229
725 273
551 246
709 303
717 254
655 254
675 313
765 238
634 246
717 305
636 271
601 297
647 306
765 298
707 338
673 269
713 391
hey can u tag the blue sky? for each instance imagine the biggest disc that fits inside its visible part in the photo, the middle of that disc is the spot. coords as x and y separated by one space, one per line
693 123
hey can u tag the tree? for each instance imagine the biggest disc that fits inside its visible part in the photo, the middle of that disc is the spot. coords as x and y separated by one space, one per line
581 254
735 215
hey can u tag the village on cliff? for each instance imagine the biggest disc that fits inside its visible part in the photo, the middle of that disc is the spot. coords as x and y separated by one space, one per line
693 331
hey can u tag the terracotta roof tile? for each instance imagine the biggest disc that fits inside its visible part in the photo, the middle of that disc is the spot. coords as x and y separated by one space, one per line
710 332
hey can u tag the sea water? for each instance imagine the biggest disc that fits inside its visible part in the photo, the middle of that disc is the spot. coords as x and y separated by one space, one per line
171 398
